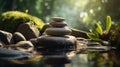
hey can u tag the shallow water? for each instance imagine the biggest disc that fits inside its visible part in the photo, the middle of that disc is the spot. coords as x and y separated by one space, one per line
81 60
97 59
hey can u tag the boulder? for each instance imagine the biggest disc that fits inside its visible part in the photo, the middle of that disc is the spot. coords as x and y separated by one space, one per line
8 54
28 30
6 37
17 36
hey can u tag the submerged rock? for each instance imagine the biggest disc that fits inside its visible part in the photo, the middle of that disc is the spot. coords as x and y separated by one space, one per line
8 54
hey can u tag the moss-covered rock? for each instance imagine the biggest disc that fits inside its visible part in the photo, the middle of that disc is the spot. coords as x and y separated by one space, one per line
9 21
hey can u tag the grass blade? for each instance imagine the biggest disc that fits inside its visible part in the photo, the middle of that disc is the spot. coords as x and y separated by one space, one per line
98 28
108 23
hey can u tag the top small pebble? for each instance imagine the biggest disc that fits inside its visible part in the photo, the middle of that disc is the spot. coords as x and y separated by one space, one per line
58 19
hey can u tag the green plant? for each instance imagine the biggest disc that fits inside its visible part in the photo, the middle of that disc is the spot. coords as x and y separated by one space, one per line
98 33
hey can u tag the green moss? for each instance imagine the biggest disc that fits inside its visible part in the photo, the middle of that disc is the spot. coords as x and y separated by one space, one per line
9 21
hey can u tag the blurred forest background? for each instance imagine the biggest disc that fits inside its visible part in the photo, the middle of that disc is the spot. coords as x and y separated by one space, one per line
80 14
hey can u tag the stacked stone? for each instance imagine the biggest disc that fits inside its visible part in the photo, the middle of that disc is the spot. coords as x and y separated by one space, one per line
57 43
57 37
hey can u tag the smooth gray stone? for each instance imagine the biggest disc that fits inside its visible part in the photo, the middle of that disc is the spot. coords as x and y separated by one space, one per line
56 43
58 24
58 31
58 19
8 54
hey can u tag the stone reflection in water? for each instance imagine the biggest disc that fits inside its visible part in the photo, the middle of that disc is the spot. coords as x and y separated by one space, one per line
81 60
35 61
97 59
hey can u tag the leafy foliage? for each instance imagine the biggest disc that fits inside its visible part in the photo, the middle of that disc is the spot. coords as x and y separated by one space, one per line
93 36
99 33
